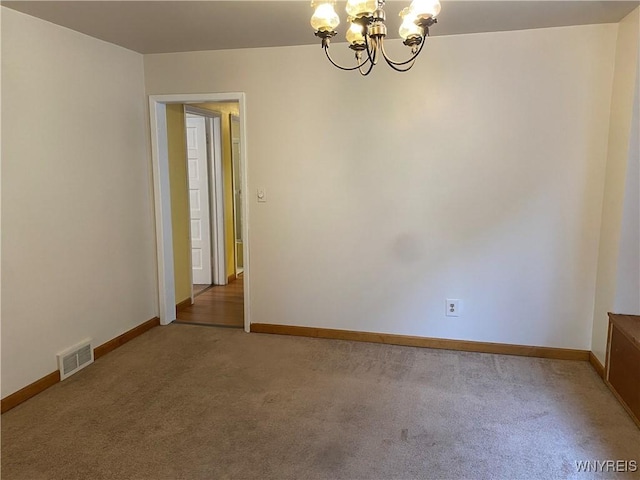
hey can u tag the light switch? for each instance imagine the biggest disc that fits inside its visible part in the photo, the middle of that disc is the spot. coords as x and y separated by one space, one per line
262 195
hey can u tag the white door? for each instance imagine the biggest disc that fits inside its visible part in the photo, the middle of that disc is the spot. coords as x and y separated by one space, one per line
199 199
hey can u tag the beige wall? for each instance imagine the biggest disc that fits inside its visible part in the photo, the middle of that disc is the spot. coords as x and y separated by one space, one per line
226 109
180 214
78 245
478 175
618 154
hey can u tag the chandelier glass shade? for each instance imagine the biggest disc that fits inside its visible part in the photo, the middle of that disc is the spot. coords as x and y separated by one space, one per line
367 30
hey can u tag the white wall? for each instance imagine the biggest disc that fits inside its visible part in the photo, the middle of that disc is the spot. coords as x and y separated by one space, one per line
78 249
478 175
621 114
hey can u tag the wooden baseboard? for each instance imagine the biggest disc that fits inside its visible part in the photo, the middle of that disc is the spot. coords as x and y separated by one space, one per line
125 337
29 391
231 278
51 379
410 341
595 363
183 304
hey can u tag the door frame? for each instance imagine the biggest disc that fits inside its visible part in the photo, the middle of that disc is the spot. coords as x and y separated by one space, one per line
162 196
213 126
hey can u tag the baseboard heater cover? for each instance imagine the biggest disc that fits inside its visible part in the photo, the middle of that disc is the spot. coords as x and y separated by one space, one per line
75 358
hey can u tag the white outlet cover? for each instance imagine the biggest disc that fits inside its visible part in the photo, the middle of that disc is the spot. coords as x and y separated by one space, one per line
453 307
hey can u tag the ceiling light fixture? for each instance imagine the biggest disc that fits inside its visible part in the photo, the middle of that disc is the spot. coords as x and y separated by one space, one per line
367 30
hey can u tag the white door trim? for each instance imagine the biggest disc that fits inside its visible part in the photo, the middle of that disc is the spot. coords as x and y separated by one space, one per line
162 196
217 208
203 112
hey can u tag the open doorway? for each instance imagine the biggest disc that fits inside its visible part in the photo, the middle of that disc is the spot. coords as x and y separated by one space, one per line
224 258
214 180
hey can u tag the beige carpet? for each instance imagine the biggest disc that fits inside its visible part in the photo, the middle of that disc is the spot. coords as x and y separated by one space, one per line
193 402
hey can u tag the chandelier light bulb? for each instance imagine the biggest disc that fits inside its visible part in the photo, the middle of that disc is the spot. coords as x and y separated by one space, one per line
425 8
354 34
409 27
325 18
361 8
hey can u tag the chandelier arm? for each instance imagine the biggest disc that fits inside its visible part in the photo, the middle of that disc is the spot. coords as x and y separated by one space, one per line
357 67
376 50
398 69
372 50
411 60
371 47
367 48
363 73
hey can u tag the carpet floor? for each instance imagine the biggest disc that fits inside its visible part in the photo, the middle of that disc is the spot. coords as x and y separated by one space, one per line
193 402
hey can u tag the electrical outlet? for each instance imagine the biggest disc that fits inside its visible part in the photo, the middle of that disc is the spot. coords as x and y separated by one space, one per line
453 307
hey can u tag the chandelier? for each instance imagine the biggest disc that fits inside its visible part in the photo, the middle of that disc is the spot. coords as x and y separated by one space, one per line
367 30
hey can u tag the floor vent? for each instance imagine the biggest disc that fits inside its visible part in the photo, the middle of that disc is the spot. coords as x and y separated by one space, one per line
75 359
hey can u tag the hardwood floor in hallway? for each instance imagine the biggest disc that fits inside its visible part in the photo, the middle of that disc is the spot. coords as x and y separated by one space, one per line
220 305
199 288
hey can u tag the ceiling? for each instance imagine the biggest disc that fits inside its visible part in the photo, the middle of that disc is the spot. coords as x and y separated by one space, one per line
179 26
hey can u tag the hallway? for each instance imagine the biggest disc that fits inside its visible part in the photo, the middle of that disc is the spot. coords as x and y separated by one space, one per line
220 305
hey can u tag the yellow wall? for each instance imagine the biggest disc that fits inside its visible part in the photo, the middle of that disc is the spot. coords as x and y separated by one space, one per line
235 133
226 109
179 200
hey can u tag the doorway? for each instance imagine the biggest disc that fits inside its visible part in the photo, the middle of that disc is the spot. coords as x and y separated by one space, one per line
213 167
162 194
